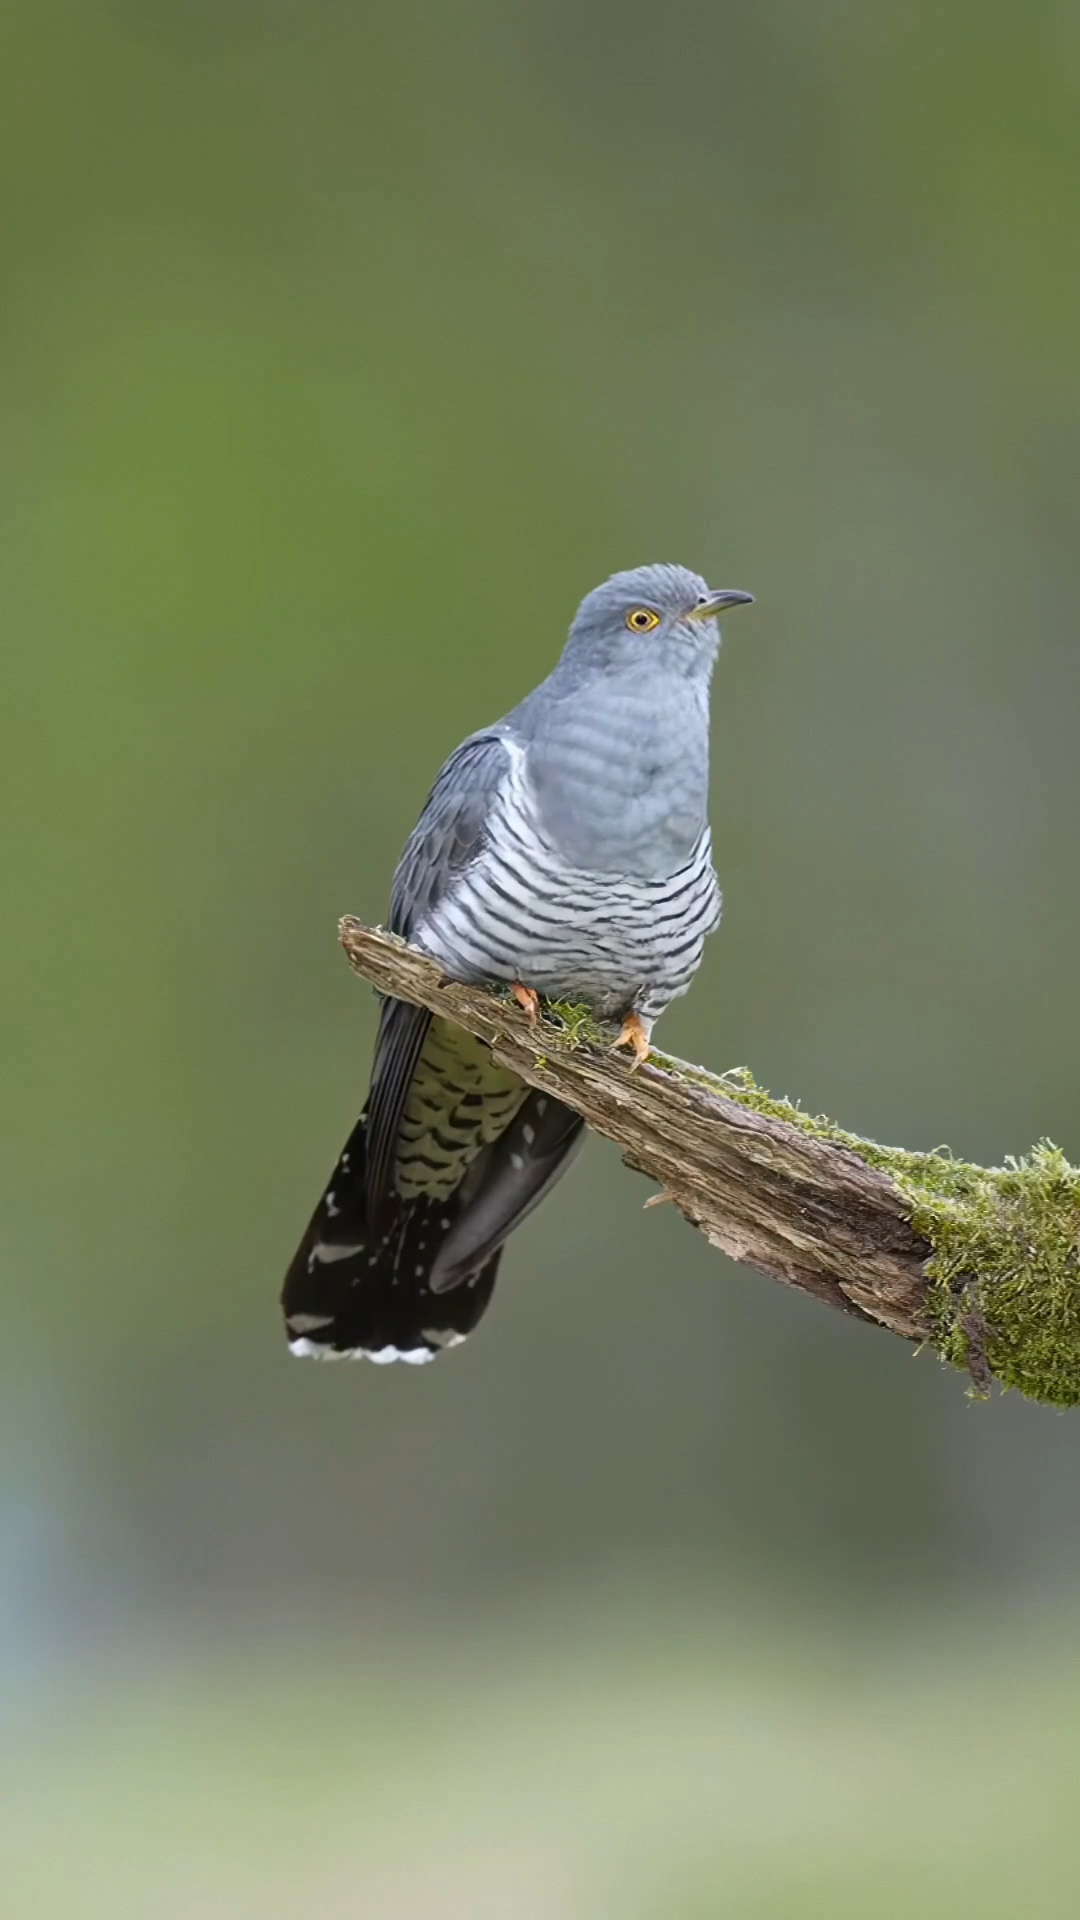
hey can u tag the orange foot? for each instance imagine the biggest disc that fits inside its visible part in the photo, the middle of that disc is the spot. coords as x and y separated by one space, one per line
528 998
633 1033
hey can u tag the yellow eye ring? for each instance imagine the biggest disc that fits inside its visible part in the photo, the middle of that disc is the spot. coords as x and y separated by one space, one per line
642 619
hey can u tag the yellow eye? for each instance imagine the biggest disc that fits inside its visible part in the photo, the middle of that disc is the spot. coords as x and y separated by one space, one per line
642 619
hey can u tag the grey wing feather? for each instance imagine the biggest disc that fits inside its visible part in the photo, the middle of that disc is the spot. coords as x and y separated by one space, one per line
506 1183
448 834
450 831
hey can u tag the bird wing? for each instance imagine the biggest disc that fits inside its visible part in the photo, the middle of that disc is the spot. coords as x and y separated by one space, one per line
448 835
450 831
452 1150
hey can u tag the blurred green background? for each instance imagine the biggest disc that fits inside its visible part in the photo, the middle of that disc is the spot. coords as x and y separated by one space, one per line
344 349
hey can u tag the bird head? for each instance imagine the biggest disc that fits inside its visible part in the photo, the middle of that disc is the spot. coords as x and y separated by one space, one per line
661 614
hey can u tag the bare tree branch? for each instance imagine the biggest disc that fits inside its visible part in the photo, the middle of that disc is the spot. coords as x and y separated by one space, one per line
776 1198
852 1223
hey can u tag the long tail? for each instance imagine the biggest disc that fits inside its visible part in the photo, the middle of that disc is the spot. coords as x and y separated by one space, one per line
347 1299
405 1276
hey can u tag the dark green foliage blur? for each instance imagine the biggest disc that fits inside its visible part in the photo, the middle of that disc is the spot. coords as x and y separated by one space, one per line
343 349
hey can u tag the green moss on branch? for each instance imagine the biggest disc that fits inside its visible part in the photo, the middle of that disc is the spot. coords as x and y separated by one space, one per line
1000 1288
1005 1270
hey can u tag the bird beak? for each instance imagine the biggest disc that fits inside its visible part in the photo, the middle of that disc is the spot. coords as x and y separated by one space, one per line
730 597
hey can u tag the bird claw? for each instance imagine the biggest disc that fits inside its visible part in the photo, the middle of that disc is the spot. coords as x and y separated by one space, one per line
633 1033
529 999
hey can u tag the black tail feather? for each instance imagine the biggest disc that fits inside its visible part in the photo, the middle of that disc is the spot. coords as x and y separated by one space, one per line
346 1297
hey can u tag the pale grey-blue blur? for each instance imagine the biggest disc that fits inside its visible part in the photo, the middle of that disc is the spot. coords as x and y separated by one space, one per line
345 348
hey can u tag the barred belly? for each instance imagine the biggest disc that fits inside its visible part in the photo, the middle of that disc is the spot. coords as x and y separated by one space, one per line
614 941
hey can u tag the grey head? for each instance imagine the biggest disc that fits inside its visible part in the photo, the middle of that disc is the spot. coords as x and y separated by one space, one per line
617 736
662 618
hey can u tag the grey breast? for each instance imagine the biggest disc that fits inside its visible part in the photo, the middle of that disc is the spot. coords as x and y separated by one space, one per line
594 879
